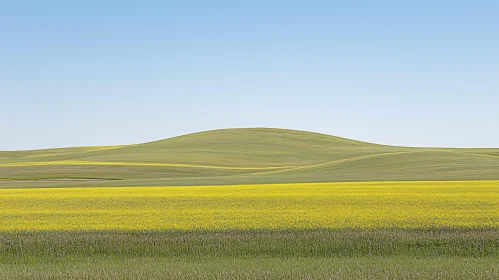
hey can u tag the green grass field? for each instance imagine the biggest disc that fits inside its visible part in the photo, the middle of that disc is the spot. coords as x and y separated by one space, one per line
243 156
383 212
317 254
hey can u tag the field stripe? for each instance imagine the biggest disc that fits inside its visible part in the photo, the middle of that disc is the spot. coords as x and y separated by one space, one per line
77 162
329 163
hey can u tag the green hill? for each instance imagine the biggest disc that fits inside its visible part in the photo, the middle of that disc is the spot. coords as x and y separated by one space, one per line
234 156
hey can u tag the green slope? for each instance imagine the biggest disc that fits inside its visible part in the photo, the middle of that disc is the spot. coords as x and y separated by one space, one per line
251 155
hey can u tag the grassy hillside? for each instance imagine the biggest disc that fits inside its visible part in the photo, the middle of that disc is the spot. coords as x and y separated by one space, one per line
234 156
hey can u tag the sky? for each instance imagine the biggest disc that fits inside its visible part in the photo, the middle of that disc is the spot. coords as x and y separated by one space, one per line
413 73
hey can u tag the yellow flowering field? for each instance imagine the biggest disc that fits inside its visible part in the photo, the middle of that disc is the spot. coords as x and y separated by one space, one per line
370 205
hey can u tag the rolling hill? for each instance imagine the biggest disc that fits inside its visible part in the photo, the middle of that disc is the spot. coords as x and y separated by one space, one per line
236 156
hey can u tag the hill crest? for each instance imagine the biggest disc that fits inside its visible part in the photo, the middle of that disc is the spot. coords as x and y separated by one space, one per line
248 155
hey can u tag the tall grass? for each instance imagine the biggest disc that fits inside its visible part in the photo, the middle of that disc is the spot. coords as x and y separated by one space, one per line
306 254
19 247
260 268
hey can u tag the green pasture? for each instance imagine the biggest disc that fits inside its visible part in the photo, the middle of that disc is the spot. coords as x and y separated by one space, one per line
242 156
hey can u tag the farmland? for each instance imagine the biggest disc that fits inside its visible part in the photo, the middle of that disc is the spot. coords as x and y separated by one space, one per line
404 205
250 204
243 156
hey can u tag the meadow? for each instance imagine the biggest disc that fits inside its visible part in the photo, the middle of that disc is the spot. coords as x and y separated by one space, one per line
293 254
242 156
250 204
370 230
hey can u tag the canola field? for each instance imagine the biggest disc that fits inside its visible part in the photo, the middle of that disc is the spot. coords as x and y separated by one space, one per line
371 205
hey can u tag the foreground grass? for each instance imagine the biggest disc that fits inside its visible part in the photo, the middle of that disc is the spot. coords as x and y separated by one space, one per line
57 246
313 254
260 268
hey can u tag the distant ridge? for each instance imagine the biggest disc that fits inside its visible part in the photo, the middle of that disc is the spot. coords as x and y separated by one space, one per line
246 155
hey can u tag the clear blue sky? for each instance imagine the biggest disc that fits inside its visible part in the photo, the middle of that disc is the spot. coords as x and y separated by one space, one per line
420 73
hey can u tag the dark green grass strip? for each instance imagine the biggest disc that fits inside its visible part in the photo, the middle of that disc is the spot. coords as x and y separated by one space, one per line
398 267
311 254
54 246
